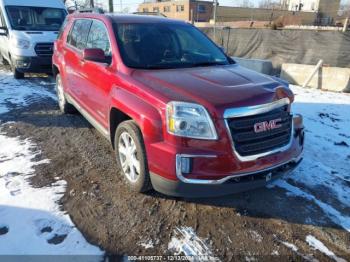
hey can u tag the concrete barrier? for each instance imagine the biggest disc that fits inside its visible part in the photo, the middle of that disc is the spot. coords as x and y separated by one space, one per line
327 78
258 65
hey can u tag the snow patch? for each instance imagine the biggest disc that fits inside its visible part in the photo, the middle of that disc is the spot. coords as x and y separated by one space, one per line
332 213
146 244
32 216
295 249
17 93
318 245
324 174
290 246
256 236
185 241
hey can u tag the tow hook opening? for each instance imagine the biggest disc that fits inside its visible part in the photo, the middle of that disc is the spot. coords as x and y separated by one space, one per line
186 165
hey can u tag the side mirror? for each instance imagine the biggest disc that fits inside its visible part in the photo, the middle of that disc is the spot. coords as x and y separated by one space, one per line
3 31
94 55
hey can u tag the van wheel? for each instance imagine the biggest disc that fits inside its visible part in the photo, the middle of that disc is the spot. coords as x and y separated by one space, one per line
131 156
17 74
65 107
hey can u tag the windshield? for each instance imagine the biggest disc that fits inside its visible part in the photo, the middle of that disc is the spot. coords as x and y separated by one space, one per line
27 18
162 46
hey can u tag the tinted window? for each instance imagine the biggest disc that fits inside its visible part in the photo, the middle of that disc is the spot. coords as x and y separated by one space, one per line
98 38
79 34
158 46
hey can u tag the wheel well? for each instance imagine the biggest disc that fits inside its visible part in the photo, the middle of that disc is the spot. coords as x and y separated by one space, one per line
55 71
115 118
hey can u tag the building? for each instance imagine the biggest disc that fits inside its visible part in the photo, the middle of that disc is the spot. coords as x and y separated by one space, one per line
309 12
327 10
326 7
199 11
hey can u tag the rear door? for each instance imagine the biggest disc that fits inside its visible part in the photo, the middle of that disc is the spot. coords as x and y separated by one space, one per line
73 56
99 75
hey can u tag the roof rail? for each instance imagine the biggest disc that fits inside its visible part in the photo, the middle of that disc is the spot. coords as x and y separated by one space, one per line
149 13
91 10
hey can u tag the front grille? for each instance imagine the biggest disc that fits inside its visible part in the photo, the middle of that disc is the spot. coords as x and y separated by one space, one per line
44 49
247 142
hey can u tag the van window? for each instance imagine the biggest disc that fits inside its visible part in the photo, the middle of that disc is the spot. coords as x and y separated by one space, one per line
98 38
26 18
79 33
2 20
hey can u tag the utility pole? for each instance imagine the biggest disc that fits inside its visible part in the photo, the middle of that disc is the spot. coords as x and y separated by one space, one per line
215 14
111 7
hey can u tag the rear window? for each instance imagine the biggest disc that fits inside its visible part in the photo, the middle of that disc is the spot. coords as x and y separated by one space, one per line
79 34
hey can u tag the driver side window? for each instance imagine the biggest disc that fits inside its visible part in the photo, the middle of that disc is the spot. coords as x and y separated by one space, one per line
98 38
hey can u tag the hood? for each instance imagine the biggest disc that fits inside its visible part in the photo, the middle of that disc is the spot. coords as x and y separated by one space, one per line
35 36
217 87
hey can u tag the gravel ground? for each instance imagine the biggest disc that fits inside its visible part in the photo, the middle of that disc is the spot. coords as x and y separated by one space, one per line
265 224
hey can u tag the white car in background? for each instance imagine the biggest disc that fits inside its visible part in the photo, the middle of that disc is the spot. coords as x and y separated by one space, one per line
28 29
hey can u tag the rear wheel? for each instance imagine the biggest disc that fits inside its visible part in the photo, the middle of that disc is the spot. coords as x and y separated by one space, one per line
65 107
131 156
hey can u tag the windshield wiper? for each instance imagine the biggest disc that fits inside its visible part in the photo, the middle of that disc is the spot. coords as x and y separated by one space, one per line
208 63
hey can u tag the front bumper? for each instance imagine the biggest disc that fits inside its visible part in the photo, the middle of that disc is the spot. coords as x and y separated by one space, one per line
195 171
229 185
33 64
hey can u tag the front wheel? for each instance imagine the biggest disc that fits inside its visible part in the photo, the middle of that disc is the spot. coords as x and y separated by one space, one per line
131 156
17 74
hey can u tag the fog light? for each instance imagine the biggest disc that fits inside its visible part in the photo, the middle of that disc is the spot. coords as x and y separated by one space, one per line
298 121
186 165
22 64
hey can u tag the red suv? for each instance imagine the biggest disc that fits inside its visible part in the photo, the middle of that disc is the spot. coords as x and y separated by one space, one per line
182 117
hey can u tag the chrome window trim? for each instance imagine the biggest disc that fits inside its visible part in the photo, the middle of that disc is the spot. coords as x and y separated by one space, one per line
255 110
183 179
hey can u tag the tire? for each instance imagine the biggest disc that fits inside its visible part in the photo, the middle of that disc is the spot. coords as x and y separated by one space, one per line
16 73
129 136
65 107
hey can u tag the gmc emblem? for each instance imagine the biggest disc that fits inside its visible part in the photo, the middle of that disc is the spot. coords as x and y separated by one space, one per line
267 125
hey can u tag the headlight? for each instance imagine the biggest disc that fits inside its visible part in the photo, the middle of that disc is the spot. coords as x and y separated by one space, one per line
20 43
189 120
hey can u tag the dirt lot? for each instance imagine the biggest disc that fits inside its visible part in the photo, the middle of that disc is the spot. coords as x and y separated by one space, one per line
270 223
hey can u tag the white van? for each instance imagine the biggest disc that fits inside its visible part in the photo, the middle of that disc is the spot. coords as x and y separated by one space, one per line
28 29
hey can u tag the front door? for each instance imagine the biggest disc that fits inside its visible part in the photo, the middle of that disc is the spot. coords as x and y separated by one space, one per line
100 75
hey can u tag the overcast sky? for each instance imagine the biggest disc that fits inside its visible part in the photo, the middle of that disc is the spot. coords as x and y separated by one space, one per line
133 4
